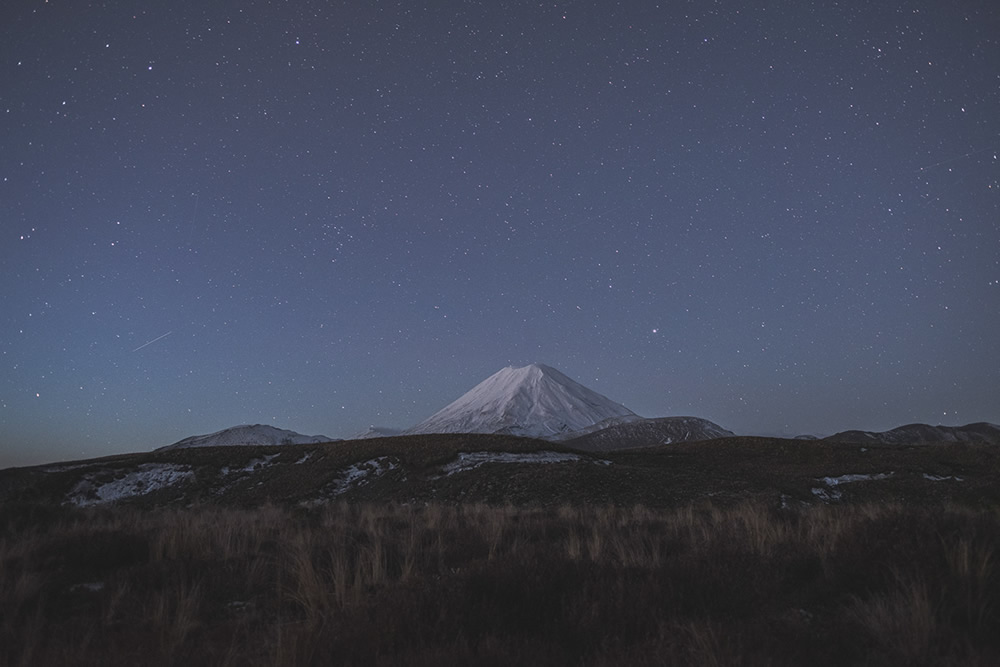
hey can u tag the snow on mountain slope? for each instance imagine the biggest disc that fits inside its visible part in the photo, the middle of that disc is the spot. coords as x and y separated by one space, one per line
534 401
246 434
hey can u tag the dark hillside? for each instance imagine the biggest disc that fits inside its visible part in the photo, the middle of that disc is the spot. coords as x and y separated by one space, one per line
500 469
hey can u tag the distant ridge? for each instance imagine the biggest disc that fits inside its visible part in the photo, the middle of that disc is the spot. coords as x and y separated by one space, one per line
978 432
248 434
532 401
649 433
376 432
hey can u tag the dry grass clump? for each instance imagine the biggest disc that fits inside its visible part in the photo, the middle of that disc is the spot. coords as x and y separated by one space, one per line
902 621
455 584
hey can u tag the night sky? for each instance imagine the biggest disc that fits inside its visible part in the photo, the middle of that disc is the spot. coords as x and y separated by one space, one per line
780 216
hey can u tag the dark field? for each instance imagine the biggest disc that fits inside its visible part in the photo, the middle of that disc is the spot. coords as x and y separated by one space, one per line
694 554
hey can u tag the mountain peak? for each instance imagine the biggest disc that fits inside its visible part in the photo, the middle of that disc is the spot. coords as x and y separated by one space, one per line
535 367
534 401
537 370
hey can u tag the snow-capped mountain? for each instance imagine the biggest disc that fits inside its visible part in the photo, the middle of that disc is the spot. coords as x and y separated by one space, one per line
649 433
246 434
924 433
534 401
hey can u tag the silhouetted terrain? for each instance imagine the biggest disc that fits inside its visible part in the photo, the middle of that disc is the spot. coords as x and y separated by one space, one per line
979 432
459 549
496 469
649 433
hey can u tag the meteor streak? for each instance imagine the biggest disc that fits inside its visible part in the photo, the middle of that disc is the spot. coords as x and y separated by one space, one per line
152 341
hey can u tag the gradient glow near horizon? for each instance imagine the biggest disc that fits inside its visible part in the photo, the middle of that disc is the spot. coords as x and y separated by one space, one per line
783 216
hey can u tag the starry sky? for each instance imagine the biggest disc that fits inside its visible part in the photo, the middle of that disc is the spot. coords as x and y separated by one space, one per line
783 216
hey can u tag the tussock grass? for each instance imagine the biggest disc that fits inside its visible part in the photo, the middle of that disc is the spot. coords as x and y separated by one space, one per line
377 584
902 621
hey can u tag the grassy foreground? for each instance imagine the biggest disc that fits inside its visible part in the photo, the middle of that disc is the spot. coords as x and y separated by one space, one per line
376 584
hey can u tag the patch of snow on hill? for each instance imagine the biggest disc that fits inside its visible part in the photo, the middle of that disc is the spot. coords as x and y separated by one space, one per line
827 495
359 474
942 478
252 466
833 494
472 460
64 468
847 479
147 478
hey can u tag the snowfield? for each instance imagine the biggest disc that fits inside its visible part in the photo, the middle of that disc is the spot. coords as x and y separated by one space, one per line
359 474
942 478
147 478
847 479
833 494
827 495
